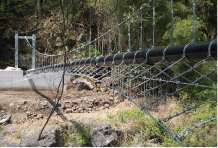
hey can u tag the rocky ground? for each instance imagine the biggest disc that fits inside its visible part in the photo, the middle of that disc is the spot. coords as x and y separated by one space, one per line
83 104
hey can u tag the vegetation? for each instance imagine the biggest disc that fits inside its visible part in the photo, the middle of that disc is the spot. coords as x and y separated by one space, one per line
82 21
141 130
1 128
80 137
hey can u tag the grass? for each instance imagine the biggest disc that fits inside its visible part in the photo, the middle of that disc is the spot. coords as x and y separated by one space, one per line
148 133
80 136
1 128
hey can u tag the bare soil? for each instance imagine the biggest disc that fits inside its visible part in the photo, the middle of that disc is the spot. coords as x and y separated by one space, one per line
40 103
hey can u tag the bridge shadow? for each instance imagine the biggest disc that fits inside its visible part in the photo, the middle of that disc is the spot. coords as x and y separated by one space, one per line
57 110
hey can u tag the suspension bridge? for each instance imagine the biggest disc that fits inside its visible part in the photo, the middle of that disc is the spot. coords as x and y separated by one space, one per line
144 76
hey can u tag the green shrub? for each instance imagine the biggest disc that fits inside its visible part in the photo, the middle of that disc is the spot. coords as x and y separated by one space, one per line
80 136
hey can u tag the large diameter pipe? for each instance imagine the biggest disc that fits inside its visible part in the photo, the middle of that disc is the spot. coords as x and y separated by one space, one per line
193 52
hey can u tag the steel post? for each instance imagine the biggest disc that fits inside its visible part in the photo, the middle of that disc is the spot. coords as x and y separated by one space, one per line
16 51
33 51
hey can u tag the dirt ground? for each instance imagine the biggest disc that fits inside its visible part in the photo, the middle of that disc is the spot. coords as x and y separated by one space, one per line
40 103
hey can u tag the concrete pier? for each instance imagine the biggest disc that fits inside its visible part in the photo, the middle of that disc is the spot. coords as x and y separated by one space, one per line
14 80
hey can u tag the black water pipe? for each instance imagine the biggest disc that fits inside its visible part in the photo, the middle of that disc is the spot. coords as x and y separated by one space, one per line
194 52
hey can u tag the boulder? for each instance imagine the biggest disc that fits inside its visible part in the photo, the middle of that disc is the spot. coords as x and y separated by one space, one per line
51 137
82 84
103 135
5 119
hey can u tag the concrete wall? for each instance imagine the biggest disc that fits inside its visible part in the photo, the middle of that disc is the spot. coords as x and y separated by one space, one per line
14 80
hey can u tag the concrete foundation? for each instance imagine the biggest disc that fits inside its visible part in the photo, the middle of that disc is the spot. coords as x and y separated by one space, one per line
14 80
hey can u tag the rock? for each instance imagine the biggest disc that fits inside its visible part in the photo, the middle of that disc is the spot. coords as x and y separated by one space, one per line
63 105
81 111
102 107
90 105
75 111
74 107
5 119
106 105
66 104
68 110
103 89
34 114
44 104
96 103
111 99
28 113
103 135
30 141
51 137
81 84
39 116
22 102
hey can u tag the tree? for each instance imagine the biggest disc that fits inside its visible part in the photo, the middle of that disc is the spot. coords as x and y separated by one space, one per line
38 7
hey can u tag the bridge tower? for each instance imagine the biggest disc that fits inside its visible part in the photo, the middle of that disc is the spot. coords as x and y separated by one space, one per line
33 38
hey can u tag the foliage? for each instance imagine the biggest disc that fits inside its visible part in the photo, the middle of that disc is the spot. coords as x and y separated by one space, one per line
183 32
1 128
146 129
80 136
193 91
92 18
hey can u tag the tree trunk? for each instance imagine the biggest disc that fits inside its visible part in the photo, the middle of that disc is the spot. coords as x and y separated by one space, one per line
98 34
90 24
39 11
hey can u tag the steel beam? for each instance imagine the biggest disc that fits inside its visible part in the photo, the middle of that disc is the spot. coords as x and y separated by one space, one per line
25 37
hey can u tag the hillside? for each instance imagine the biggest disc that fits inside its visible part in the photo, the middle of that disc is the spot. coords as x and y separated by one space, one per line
87 19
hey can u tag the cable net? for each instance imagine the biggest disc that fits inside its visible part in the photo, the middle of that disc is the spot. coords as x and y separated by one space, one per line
149 85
